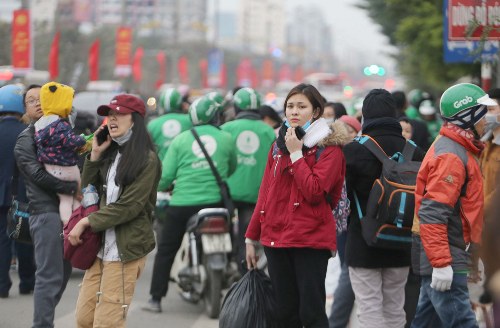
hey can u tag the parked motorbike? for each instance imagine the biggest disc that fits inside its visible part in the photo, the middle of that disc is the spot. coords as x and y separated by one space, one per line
203 267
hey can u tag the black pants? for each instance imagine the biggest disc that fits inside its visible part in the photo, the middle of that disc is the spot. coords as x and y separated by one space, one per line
298 277
245 211
169 236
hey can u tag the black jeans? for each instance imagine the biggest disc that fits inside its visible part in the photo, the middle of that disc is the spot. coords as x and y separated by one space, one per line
298 277
169 236
25 259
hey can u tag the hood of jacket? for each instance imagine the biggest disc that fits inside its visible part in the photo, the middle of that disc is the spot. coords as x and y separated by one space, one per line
338 136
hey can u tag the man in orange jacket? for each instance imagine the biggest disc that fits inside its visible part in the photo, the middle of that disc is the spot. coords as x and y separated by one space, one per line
449 207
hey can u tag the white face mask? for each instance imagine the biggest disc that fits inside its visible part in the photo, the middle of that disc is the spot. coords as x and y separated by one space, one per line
491 122
329 120
124 138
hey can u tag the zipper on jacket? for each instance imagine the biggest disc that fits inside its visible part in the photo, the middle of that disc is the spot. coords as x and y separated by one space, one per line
276 166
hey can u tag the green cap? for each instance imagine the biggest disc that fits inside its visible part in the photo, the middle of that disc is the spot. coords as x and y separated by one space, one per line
247 98
202 110
217 97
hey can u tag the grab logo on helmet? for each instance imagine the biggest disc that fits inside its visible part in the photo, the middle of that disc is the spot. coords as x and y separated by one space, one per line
459 103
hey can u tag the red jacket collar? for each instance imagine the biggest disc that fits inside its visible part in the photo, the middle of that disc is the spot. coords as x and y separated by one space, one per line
463 137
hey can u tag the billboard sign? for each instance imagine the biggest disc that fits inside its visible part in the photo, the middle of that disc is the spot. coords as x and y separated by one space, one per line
460 49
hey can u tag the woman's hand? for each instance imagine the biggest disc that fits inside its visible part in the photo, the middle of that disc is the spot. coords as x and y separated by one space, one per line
251 257
97 149
76 232
292 142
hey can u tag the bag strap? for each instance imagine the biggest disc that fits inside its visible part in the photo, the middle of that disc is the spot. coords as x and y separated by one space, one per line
14 182
208 158
373 147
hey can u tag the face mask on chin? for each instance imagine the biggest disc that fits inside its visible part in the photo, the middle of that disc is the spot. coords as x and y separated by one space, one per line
305 126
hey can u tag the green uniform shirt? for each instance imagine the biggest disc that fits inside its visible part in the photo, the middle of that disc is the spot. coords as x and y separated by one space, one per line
165 128
185 163
252 139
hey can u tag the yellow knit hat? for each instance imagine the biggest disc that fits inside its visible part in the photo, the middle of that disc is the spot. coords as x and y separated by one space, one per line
56 99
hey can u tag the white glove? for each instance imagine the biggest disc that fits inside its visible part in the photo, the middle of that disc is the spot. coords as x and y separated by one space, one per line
442 278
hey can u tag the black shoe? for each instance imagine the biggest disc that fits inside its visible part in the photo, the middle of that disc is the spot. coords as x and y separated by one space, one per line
4 294
152 306
25 291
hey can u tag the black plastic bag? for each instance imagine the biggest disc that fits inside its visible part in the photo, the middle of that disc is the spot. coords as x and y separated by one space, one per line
250 303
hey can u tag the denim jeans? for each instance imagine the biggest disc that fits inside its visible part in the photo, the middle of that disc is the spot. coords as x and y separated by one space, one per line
451 307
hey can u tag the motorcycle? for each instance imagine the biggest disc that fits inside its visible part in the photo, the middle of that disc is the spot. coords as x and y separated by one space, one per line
202 267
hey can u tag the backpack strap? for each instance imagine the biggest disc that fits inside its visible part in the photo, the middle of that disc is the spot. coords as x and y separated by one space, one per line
373 147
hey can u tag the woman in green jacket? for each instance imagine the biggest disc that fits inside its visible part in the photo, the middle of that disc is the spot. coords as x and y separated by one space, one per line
125 170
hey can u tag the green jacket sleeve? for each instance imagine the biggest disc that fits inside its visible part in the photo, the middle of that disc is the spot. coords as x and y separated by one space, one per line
131 201
91 173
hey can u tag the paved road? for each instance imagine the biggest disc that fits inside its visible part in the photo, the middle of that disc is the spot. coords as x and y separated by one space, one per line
16 311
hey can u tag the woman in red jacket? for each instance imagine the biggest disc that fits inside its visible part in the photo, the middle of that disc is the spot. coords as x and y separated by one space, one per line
293 218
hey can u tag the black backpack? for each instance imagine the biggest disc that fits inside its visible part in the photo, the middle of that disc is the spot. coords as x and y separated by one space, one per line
391 203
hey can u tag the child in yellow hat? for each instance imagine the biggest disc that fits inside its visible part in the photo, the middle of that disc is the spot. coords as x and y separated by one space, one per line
57 144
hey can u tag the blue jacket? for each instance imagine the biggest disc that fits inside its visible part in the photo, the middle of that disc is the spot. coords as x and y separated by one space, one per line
10 127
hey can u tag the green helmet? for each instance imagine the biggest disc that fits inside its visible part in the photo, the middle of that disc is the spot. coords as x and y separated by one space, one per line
416 96
170 100
247 98
217 97
202 110
461 104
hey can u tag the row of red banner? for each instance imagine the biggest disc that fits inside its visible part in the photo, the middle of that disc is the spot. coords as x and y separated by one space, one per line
212 70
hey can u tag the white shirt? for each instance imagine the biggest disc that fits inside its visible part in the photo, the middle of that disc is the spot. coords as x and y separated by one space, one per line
109 251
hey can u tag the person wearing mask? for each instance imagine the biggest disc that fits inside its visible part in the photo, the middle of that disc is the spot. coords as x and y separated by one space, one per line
52 271
490 167
165 128
378 276
449 210
125 170
195 187
293 218
252 139
11 111
333 111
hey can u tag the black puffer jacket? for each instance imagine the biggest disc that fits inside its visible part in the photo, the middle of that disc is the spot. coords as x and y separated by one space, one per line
41 187
362 169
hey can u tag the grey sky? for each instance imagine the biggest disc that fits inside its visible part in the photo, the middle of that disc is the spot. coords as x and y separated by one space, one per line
355 36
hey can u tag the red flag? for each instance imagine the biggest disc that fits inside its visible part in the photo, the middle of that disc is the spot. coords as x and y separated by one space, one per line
267 72
54 57
123 50
204 73
137 65
162 72
298 74
182 67
255 78
93 60
223 76
21 40
244 73
285 73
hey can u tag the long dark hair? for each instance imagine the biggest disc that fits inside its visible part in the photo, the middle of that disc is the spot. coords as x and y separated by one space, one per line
135 153
312 94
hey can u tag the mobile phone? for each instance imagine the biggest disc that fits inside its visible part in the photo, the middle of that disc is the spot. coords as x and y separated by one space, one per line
102 135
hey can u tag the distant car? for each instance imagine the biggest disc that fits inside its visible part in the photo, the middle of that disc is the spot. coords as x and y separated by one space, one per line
88 101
